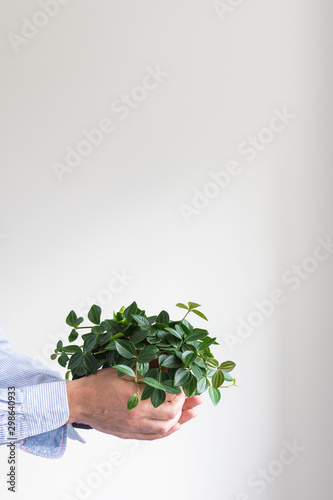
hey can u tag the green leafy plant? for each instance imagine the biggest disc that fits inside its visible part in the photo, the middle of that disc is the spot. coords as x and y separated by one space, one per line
163 354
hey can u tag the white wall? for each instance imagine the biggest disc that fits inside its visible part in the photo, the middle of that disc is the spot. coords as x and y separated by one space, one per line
226 77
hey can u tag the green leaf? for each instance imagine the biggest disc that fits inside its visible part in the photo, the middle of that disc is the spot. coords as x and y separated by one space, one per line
206 343
191 386
162 335
218 379
111 326
202 385
124 361
153 383
174 332
139 335
159 326
125 369
152 339
182 376
79 371
188 357
211 363
71 319
110 358
89 362
148 353
169 387
75 360
158 397
90 342
214 395
118 317
228 378
53 356
100 363
105 338
193 305
163 317
227 366
147 392
187 326
111 346
153 373
62 360
179 330
152 319
126 348
196 371
94 314
130 310
59 345
175 342
197 334
169 361
73 335
183 306
143 368
115 337
200 362
67 375
133 402
98 329
141 320
199 313
190 346
71 349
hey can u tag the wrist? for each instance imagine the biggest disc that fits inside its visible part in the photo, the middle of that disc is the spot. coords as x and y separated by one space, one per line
75 396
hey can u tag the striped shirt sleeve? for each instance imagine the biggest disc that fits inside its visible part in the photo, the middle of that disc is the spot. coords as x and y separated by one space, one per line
41 403
38 408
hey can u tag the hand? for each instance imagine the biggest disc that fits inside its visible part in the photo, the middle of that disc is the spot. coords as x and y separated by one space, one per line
100 401
188 411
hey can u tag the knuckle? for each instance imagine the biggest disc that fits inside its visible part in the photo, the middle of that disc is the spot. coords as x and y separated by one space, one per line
164 428
173 412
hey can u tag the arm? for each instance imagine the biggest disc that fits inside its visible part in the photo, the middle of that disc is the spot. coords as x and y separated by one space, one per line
47 405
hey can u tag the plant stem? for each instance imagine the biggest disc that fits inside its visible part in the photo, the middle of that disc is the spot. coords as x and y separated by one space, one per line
187 313
136 378
79 327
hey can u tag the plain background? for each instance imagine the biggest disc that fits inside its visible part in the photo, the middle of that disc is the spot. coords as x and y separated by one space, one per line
62 242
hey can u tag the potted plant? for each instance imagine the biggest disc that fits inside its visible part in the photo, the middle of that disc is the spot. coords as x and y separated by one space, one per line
166 355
